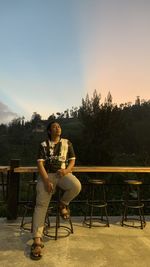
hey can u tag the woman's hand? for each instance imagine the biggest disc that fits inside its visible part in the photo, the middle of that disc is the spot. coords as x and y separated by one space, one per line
62 172
48 186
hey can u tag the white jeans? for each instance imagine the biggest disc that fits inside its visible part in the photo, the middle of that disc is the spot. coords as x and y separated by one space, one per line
69 183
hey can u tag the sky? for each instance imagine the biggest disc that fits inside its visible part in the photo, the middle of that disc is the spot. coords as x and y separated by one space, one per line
55 52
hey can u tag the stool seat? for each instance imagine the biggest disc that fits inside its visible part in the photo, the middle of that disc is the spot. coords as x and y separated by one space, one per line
133 182
96 200
132 201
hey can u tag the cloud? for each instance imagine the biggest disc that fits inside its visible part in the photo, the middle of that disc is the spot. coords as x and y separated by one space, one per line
6 115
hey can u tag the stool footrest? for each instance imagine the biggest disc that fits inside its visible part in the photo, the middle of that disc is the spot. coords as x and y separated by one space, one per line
101 222
97 205
132 222
133 205
66 231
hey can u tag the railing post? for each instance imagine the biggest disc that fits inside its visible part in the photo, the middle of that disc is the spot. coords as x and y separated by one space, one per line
13 190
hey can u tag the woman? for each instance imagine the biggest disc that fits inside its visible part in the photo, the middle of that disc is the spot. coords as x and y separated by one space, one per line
56 160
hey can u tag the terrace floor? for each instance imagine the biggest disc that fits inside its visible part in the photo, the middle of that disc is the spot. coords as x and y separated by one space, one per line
113 246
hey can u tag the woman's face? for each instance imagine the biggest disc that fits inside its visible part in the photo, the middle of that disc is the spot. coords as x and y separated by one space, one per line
55 129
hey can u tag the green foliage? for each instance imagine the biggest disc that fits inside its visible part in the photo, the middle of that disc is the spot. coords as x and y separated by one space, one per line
102 133
113 135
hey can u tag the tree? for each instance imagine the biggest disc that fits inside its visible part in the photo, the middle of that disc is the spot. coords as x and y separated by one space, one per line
137 101
108 100
51 117
74 112
35 119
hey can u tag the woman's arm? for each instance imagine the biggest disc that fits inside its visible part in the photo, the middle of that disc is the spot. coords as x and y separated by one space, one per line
69 168
48 185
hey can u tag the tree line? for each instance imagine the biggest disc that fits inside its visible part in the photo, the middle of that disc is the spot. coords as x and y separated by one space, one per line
101 133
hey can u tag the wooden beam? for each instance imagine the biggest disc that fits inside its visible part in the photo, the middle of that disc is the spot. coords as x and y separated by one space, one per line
91 169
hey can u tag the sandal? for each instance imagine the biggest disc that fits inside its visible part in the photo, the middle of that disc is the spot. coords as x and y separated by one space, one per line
64 211
36 251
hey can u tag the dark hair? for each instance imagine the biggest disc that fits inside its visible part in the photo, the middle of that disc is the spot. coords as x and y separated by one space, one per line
49 127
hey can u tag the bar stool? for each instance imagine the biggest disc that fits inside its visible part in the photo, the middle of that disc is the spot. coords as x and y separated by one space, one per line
96 200
29 206
52 211
132 201
4 184
57 230
27 224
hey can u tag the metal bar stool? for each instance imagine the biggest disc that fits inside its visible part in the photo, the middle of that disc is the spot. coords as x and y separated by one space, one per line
52 211
57 230
132 201
29 206
4 184
96 200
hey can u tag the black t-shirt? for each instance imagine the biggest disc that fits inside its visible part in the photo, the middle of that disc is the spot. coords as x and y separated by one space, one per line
56 156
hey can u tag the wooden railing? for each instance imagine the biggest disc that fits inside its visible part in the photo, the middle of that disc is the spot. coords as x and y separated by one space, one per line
92 169
14 170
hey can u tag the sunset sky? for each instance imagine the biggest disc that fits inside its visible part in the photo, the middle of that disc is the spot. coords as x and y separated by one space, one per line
54 52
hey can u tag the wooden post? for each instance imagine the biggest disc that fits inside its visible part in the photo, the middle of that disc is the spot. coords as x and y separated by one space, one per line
13 190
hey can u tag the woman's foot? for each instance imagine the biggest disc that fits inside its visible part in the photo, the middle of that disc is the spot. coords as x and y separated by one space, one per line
36 249
64 211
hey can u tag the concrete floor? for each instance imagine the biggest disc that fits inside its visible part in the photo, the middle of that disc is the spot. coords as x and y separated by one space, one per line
115 246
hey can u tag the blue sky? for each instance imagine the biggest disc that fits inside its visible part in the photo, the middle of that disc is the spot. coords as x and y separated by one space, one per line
54 52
